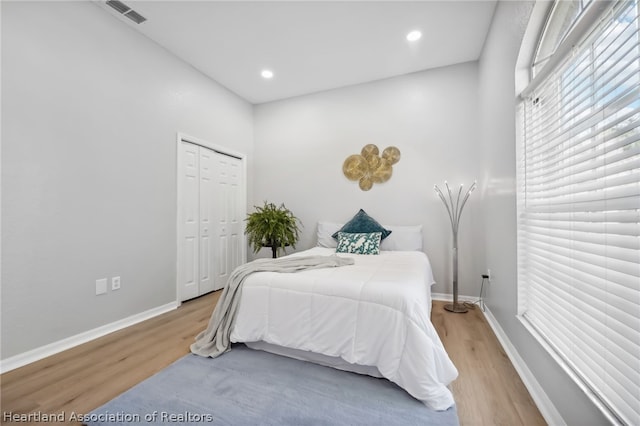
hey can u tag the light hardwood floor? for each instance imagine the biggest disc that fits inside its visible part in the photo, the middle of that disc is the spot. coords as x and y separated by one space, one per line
487 392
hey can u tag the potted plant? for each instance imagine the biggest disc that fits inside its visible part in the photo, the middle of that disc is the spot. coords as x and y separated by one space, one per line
272 226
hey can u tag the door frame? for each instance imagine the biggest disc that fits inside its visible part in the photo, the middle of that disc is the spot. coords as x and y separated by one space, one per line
183 137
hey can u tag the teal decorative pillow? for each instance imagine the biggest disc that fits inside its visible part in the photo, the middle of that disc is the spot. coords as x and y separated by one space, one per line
359 243
363 223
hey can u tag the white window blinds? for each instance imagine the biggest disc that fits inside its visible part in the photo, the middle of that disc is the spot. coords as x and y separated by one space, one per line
579 212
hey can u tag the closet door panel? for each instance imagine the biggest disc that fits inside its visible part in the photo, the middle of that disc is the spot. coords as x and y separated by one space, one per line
222 220
236 215
188 218
207 222
229 220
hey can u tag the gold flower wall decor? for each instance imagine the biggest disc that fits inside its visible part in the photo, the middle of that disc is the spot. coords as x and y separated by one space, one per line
369 167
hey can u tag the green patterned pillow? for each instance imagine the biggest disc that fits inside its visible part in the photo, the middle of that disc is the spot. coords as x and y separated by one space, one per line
359 243
363 223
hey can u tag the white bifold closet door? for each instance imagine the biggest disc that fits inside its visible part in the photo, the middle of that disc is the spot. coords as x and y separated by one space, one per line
210 216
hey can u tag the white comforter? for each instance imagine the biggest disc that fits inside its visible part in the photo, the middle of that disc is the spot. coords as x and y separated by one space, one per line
374 313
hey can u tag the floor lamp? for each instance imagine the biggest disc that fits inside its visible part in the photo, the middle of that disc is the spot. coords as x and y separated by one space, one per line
455 210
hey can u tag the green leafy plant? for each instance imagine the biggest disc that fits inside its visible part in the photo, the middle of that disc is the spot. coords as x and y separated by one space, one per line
272 226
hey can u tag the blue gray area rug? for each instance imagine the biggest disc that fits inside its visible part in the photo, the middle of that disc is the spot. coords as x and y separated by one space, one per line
250 387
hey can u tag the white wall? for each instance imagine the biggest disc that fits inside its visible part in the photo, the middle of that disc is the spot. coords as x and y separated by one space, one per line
431 116
90 111
498 200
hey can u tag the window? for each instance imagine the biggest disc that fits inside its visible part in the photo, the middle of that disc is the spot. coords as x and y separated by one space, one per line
564 14
579 210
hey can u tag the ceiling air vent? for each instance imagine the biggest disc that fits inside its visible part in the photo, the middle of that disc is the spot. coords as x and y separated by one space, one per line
126 11
135 17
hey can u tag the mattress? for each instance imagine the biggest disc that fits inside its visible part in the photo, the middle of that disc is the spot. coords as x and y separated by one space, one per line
374 313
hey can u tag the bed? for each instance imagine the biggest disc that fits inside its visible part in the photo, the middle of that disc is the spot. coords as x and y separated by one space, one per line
372 317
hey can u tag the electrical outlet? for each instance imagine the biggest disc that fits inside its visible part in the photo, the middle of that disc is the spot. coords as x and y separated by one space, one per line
489 274
101 286
115 283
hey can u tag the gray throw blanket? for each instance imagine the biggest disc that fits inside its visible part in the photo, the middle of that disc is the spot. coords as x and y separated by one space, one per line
215 340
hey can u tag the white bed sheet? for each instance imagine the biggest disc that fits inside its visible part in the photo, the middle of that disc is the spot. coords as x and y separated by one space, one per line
373 313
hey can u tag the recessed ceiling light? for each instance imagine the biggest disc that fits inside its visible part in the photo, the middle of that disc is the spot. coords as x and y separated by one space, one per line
267 74
414 35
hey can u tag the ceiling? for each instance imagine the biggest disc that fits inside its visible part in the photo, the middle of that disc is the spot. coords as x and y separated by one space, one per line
313 45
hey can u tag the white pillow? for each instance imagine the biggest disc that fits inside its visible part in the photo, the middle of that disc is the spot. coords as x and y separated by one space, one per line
402 238
325 232
405 238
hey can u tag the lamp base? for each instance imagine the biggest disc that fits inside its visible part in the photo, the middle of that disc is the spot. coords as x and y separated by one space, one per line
458 308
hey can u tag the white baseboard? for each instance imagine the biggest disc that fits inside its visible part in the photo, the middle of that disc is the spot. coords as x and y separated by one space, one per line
449 297
37 354
545 405
547 408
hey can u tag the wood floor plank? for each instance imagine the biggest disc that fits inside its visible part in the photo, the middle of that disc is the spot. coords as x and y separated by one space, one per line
488 390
